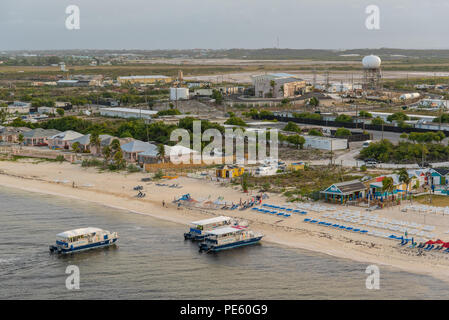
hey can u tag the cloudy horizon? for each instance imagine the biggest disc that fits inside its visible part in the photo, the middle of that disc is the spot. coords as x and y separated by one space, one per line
217 24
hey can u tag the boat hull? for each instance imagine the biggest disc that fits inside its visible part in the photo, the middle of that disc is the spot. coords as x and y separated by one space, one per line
216 248
194 236
91 246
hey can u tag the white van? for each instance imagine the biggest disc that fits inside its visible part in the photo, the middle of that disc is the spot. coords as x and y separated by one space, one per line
366 143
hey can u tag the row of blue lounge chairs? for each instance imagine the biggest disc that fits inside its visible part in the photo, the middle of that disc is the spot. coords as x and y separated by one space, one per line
280 214
423 245
283 208
334 225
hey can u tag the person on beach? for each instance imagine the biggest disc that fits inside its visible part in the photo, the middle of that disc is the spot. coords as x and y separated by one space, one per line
163 203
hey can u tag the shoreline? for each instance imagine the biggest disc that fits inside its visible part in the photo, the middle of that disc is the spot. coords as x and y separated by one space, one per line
291 233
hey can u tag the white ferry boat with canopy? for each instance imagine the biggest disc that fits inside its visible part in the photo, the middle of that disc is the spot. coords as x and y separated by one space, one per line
83 239
198 228
229 237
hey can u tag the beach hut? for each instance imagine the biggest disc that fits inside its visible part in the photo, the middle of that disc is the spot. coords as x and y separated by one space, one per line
227 171
343 192
295 166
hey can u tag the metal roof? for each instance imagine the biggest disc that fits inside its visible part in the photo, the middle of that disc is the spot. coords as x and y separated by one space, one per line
224 230
39 132
137 146
211 220
79 232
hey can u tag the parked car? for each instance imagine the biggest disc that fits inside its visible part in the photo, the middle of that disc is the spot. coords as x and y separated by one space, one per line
372 163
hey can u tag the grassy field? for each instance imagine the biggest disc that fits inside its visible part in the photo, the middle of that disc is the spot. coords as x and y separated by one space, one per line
303 183
195 69
436 200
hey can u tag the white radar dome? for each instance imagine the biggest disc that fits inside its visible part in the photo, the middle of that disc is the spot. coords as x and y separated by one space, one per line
371 62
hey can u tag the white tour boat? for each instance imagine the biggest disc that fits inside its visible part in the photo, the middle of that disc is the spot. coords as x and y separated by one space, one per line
83 239
229 237
198 228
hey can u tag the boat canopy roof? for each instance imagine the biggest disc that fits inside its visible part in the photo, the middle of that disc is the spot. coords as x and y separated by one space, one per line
224 230
211 220
78 232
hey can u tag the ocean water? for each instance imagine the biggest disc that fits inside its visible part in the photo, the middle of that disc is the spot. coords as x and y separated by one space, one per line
152 261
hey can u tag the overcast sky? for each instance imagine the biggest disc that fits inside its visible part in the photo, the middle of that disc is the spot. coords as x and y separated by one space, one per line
186 24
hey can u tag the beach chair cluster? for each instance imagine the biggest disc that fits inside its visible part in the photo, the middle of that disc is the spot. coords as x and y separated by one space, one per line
272 212
329 224
374 221
430 245
285 209
425 209
174 185
231 207
314 207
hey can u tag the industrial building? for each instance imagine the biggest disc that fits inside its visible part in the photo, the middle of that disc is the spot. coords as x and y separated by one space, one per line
19 107
434 103
144 79
278 85
127 113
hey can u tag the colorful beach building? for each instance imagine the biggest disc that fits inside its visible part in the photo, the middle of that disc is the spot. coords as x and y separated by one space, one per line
343 192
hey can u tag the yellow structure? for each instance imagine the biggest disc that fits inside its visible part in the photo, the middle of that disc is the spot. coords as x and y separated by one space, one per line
295 166
230 171
144 79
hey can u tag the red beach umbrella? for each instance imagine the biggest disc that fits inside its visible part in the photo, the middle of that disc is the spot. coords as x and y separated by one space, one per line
439 241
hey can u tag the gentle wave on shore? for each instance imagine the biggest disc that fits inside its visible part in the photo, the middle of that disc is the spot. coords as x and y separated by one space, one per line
152 261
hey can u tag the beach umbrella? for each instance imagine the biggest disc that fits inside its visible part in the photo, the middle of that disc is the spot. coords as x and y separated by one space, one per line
430 242
439 241
446 245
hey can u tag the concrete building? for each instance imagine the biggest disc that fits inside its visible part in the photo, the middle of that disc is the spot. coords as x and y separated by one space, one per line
179 94
144 79
47 110
19 107
127 113
278 85
434 103
325 143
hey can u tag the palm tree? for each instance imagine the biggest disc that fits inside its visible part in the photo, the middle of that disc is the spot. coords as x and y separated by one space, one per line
405 178
161 152
119 160
76 148
95 141
387 185
20 139
115 145
107 153
272 84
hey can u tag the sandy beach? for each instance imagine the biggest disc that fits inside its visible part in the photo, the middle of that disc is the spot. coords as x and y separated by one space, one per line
116 190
